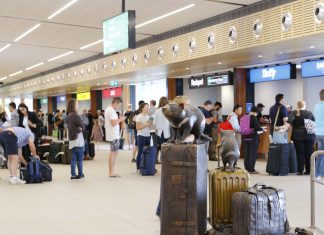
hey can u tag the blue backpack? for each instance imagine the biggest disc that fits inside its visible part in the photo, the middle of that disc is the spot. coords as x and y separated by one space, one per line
33 174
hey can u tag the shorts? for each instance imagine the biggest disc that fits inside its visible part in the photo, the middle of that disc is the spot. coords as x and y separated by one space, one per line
114 145
8 140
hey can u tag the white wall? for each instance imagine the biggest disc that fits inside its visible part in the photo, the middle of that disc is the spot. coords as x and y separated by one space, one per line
61 106
84 104
312 87
106 102
223 94
151 90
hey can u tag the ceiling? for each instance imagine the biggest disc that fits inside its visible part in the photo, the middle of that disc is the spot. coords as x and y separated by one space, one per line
81 24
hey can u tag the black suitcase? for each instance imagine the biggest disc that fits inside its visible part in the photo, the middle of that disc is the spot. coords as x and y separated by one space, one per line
67 156
184 189
92 152
293 166
260 210
148 160
55 153
278 159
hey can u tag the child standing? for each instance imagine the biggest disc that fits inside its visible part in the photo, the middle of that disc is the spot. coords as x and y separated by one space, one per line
97 134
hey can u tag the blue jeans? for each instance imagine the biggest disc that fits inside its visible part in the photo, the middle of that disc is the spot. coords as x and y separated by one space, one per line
86 147
319 168
77 159
141 141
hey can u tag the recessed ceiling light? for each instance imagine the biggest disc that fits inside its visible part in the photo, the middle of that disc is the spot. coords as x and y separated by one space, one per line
1 79
98 84
260 56
27 32
91 44
298 66
60 56
62 9
34 66
280 52
5 47
219 63
312 47
16 73
187 68
166 15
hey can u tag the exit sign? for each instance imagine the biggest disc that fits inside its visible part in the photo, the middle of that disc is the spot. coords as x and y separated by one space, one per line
114 83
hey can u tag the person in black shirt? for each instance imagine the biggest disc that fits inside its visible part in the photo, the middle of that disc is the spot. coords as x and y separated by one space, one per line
281 124
136 113
251 142
206 109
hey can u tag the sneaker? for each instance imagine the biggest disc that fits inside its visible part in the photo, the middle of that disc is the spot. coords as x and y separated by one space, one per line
16 181
133 160
19 181
74 177
81 177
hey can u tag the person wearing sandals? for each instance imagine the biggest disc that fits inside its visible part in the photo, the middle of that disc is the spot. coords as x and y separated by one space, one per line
76 139
113 133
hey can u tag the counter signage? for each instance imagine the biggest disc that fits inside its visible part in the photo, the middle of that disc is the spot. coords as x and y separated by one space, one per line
312 69
218 80
274 73
210 81
113 92
83 96
197 83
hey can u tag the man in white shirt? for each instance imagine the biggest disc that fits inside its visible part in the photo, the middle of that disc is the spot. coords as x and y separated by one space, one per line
112 133
233 118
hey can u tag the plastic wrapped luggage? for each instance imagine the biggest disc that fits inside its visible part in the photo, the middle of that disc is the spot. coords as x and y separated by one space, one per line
260 210
222 186
148 160
278 159
184 189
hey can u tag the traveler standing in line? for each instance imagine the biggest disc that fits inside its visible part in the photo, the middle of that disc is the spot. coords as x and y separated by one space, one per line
217 118
96 134
152 108
319 120
129 135
14 121
76 139
85 121
162 125
206 109
251 142
30 121
132 122
13 139
59 123
279 112
304 142
101 120
113 132
90 117
143 131
233 119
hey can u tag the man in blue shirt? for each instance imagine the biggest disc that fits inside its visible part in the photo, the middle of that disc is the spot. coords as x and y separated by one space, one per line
12 140
319 120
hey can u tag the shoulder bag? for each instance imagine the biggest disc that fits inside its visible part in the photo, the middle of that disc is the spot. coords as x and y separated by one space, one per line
279 137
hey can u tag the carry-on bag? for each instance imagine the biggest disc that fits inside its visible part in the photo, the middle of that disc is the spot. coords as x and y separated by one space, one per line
148 160
222 186
260 210
46 171
184 189
278 159
32 173
67 156
92 152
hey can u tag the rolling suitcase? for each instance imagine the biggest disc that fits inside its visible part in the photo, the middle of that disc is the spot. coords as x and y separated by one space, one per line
184 189
222 185
92 152
293 166
260 210
278 159
148 160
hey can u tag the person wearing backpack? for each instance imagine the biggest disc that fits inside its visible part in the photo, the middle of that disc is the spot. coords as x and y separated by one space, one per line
250 128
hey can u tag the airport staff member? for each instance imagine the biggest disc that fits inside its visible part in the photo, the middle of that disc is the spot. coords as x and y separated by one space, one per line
12 140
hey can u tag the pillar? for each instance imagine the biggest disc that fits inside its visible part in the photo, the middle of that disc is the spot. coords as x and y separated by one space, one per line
93 102
175 87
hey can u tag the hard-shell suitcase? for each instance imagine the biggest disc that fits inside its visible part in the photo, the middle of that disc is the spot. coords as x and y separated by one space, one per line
278 159
260 210
148 160
293 166
222 185
184 189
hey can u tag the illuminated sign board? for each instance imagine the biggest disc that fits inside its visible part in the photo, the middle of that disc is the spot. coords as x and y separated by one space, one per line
83 96
113 92
312 69
211 81
273 73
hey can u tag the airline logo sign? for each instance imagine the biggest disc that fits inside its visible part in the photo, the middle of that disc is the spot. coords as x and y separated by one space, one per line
113 92
210 81
197 83
313 69
280 72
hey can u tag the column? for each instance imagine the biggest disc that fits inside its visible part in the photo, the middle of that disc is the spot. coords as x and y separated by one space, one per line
175 87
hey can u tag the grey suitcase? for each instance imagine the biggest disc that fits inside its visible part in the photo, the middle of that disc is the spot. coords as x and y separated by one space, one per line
184 189
260 210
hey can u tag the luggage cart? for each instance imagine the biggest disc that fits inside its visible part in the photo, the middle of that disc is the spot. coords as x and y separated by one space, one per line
314 180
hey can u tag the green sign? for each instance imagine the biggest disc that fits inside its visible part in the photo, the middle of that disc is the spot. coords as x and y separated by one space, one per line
114 83
44 101
119 32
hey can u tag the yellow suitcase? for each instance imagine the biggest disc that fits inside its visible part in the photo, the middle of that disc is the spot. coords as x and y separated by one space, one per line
222 185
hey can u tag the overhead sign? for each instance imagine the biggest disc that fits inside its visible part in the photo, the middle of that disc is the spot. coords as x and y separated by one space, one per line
273 73
60 99
44 101
211 81
112 92
83 96
119 32
114 83
312 69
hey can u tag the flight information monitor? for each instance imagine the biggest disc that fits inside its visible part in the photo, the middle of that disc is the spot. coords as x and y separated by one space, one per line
119 33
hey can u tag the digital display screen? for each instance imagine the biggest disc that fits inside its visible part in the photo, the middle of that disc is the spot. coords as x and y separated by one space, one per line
273 73
83 96
60 99
211 80
119 33
312 69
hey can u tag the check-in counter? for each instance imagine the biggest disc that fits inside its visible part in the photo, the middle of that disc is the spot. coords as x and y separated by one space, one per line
264 140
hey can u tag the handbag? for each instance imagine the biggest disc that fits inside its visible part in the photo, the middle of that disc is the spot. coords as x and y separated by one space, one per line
279 137
310 126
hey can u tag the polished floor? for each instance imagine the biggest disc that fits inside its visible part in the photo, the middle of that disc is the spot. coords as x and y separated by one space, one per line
115 206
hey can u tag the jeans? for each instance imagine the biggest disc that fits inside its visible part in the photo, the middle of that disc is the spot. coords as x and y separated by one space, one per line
86 148
319 168
304 150
250 153
141 141
77 159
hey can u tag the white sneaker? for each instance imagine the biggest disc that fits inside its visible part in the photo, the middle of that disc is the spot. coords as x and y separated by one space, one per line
16 181
19 181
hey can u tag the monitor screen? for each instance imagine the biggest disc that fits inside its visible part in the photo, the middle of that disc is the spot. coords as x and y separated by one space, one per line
119 33
273 73
312 69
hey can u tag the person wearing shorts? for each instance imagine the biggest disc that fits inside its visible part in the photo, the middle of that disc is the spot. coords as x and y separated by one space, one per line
113 133
12 140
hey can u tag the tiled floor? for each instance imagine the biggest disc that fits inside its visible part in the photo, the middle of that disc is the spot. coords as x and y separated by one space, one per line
103 206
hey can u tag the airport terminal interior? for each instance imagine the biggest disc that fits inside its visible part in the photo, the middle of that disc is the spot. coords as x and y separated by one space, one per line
161 117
